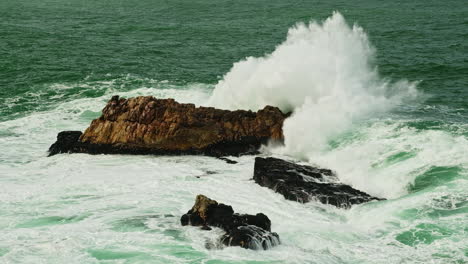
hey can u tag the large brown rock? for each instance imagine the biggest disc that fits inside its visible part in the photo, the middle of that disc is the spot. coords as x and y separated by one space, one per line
147 125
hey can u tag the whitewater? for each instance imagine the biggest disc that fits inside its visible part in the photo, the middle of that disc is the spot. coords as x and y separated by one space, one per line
79 208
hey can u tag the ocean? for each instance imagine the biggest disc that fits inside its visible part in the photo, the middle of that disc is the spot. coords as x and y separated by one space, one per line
378 91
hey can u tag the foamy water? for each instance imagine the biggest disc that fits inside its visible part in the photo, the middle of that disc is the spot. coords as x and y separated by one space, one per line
323 72
79 208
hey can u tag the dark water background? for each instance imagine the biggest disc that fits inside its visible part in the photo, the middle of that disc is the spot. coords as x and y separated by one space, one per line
46 42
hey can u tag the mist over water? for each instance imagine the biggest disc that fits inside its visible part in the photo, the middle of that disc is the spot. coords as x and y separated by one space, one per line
354 113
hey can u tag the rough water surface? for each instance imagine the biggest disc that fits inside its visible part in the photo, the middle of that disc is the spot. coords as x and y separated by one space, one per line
389 96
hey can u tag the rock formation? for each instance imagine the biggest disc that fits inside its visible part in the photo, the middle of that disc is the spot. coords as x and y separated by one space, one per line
146 125
247 231
304 183
67 141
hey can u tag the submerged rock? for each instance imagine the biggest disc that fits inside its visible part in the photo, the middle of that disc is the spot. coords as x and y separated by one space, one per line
247 231
146 125
304 183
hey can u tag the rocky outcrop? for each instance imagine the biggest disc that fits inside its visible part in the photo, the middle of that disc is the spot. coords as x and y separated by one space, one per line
247 231
146 125
67 141
305 183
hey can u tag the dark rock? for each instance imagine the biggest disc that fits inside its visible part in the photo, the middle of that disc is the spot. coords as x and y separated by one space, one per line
247 231
205 227
146 125
250 236
229 161
304 183
66 142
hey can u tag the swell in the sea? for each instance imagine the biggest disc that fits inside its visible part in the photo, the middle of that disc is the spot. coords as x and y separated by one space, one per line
343 119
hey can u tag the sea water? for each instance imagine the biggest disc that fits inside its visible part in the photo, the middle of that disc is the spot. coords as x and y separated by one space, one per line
378 94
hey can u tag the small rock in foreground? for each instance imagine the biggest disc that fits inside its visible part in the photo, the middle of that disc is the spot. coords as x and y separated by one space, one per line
247 231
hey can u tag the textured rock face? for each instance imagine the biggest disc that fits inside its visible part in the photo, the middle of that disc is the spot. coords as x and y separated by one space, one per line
304 183
66 142
247 231
146 125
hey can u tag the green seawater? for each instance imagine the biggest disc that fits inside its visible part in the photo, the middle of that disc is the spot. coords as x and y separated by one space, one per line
60 61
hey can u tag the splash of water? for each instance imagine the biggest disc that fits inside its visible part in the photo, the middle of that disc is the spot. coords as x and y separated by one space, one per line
324 73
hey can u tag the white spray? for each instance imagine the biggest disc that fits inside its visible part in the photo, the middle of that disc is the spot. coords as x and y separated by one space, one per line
321 72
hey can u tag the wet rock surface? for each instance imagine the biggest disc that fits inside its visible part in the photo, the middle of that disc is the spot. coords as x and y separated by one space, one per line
247 231
147 125
305 183
66 142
